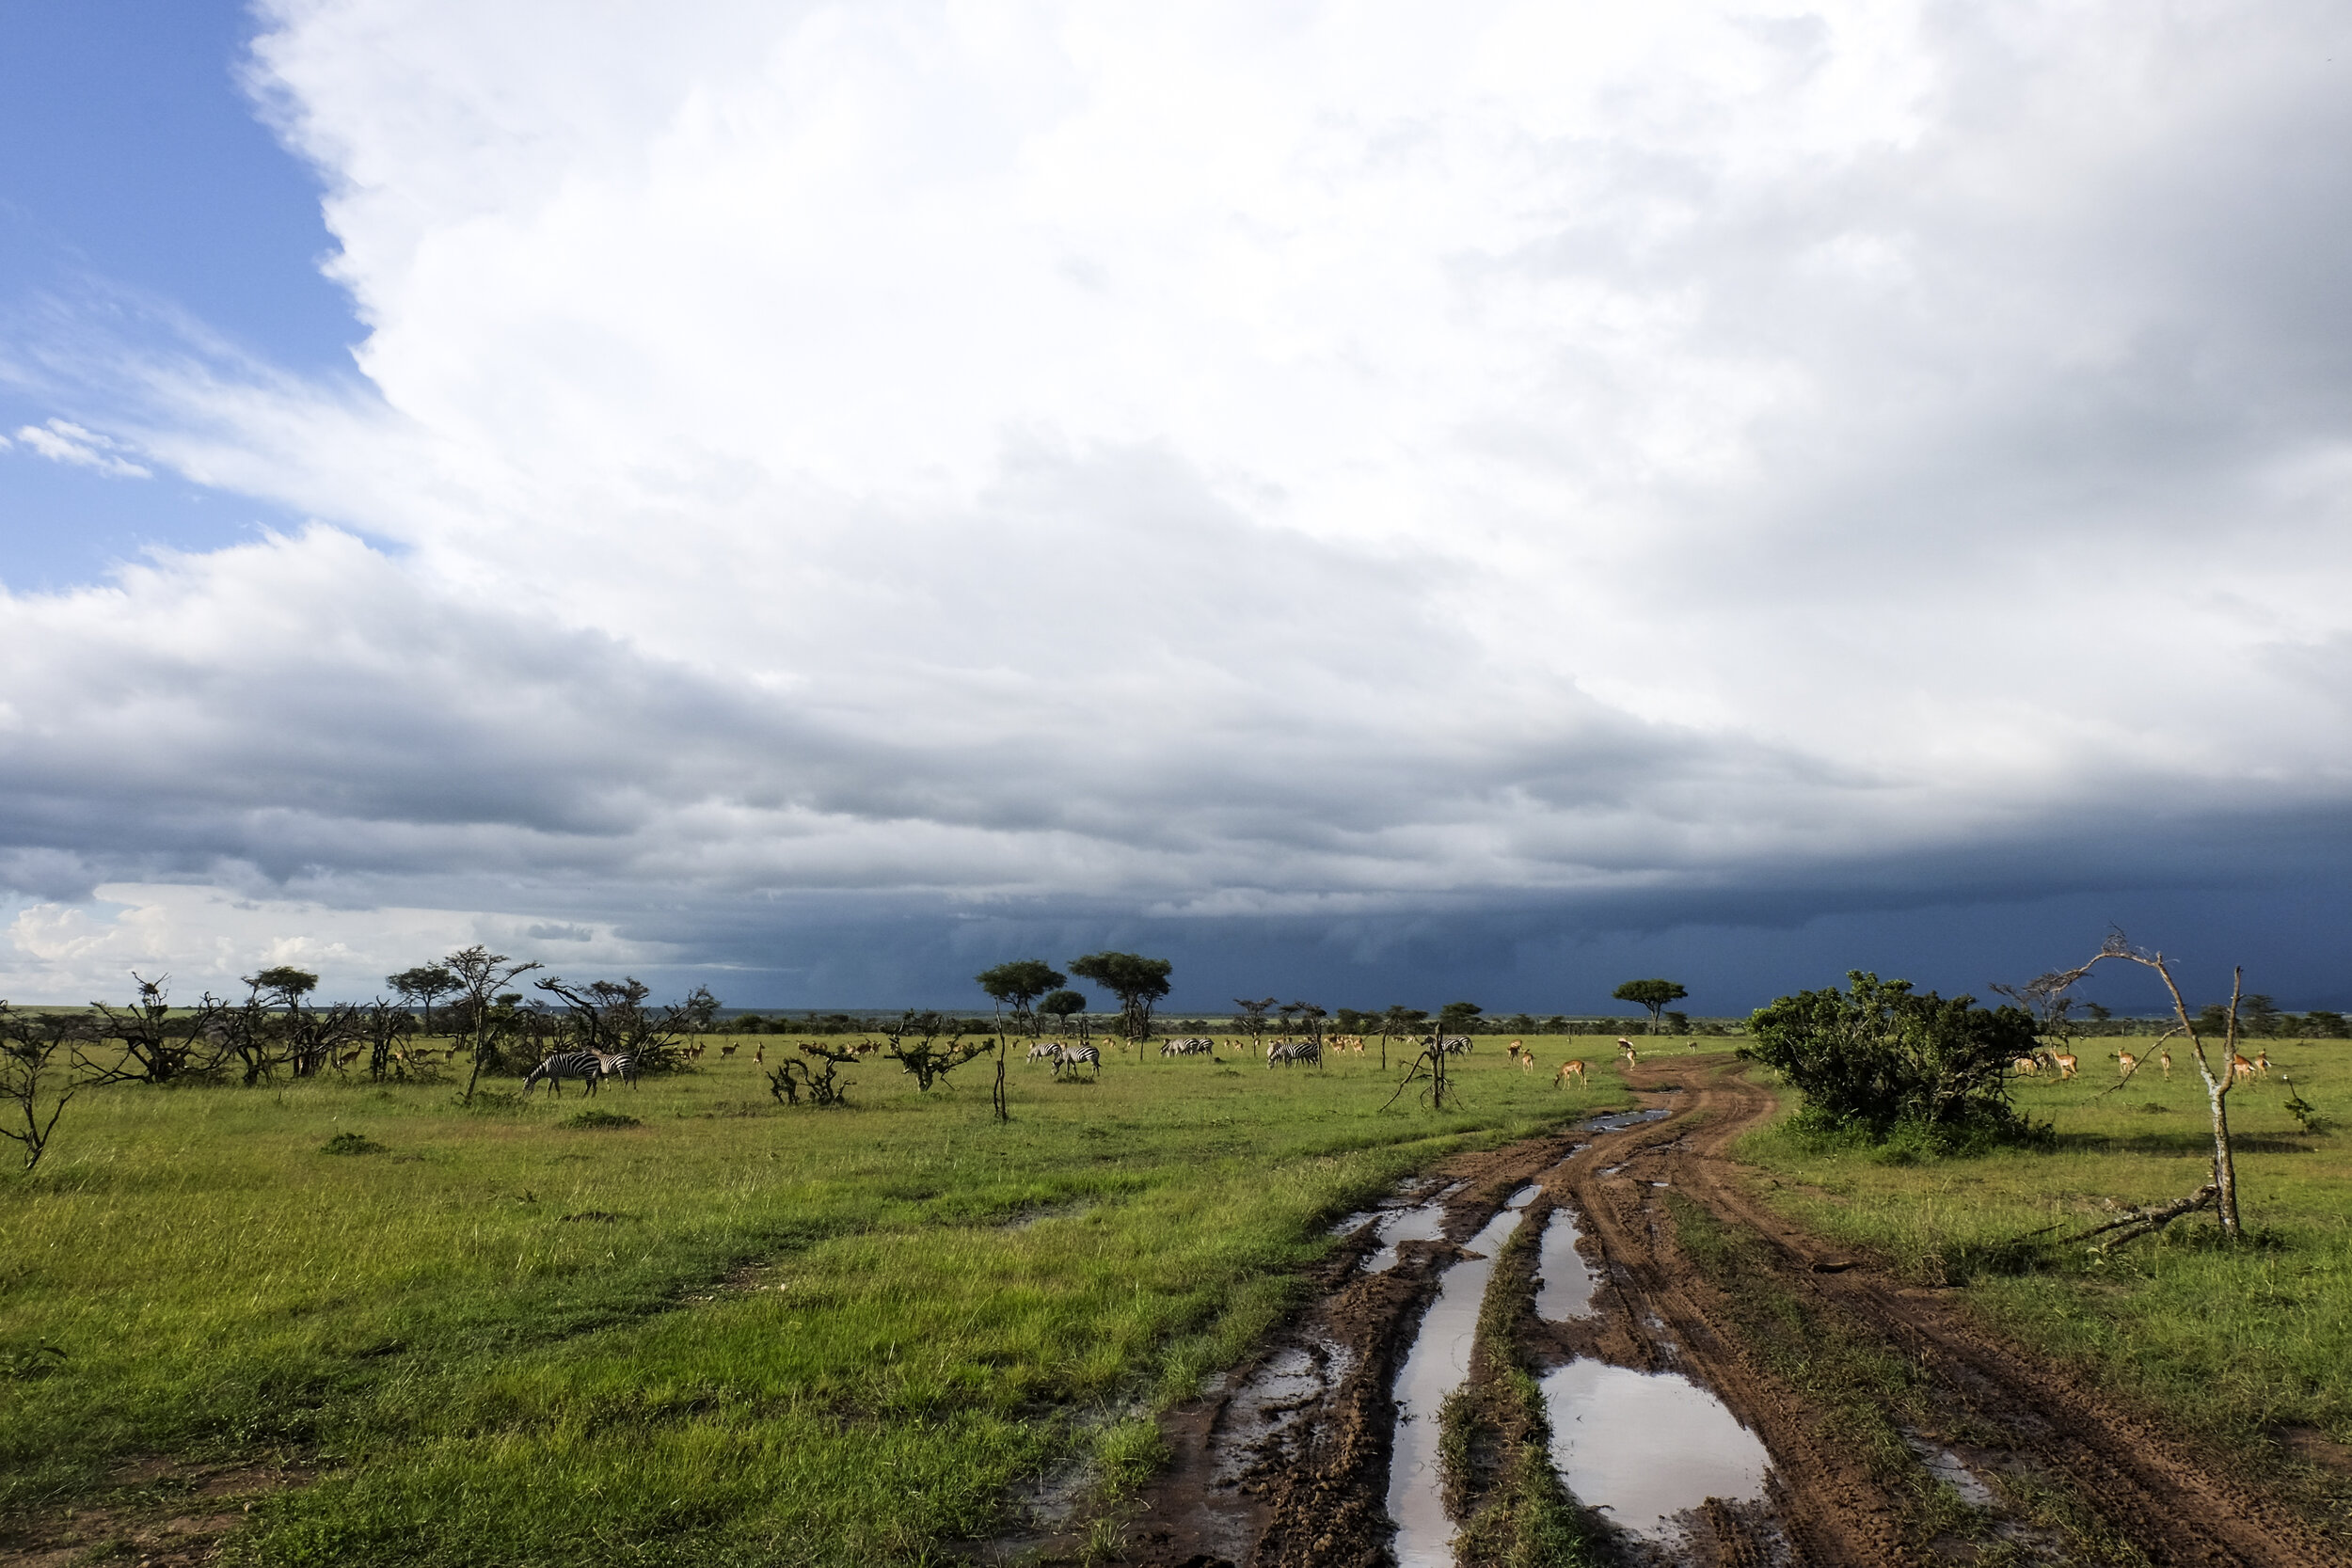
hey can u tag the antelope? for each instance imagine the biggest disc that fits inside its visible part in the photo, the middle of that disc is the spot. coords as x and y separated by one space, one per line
2124 1062
2240 1067
727 1050
2065 1060
1567 1068
2164 1060
1520 1054
759 1053
2024 1067
2262 1062
1632 1057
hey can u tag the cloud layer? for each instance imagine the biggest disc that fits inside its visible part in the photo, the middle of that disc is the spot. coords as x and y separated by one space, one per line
925 462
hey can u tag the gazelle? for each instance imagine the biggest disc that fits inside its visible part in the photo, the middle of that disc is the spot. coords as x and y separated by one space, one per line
1568 1070
2240 1067
2024 1067
2262 1062
2164 1060
2125 1062
2065 1060
1520 1054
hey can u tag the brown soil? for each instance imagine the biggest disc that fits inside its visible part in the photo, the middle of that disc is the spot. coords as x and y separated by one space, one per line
1313 1492
163 1513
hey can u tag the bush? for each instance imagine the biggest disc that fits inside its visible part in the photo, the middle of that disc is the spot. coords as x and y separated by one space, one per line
351 1143
1889 1063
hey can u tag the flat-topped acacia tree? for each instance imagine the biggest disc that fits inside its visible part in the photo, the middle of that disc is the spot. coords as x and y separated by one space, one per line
1137 982
1018 984
1653 994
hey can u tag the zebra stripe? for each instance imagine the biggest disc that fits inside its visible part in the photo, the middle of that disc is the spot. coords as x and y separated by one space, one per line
1194 1046
586 1066
1067 1057
1300 1050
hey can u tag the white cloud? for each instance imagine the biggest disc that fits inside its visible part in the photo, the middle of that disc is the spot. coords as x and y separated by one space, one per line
63 441
1237 460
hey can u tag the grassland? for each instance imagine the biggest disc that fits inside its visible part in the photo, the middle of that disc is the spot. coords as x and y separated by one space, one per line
2247 1349
729 1332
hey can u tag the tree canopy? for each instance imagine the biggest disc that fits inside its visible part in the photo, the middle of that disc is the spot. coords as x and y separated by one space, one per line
1137 982
1653 994
1020 983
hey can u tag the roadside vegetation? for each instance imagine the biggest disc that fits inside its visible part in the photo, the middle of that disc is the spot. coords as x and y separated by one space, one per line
2246 1349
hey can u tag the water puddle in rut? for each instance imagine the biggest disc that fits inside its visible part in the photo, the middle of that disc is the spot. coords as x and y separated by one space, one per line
1567 1283
1437 1365
1648 1445
1420 1222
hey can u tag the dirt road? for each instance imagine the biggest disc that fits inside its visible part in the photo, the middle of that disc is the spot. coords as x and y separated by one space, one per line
1286 1465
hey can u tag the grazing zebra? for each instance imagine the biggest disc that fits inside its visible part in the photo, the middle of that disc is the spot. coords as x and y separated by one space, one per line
1045 1051
1294 1051
1455 1045
1072 1057
619 1063
586 1066
1193 1045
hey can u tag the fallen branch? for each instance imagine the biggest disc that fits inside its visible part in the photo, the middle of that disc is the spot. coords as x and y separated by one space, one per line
2136 1222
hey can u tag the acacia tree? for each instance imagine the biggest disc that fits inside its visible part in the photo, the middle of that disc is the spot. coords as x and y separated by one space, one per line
30 1073
1251 1020
426 983
1137 982
481 975
156 1047
1653 994
1019 984
1060 1004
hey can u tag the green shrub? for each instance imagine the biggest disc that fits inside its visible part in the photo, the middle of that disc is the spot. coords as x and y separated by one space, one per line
1912 1072
352 1143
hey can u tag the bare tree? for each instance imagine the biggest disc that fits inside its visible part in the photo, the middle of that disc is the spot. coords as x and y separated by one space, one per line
2217 1088
156 1047
481 975
1398 1020
31 1072
916 1043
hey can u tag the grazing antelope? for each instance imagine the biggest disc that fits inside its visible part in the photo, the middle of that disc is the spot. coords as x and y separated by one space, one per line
2024 1067
2164 1060
1567 1068
2065 1060
1632 1057
2124 1063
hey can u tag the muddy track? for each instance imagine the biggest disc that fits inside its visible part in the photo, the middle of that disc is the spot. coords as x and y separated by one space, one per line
1286 1463
2029 1414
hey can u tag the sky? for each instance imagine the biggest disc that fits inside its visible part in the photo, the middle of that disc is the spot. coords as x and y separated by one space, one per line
1372 503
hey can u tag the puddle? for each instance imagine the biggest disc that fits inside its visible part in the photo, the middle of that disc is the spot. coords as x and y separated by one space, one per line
1648 1445
1618 1122
1421 1221
1438 1363
1949 1469
1568 1282
1254 1421
1521 1198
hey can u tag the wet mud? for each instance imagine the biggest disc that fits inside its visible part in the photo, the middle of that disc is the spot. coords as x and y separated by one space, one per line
1679 1434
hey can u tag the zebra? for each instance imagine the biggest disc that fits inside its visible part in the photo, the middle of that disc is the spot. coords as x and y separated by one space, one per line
1301 1051
619 1063
586 1066
1455 1045
1043 1051
1070 1056
1191 1046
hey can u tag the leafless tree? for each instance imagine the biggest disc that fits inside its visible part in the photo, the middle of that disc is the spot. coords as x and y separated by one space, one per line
2224 1194
481 975
31 1072
156 1047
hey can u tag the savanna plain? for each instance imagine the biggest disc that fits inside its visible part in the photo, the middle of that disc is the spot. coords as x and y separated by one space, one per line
343 1321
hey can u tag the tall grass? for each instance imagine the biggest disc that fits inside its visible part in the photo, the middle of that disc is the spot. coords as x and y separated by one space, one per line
821 1336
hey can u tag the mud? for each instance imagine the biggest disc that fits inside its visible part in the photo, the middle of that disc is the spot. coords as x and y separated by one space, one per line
1299 1471
163 1513
1439 1363
1647 1447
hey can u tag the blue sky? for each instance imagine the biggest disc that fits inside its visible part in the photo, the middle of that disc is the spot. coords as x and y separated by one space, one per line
139 184
825 498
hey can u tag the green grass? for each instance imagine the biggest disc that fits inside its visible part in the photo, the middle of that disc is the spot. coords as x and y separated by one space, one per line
732 1331
2228 1344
